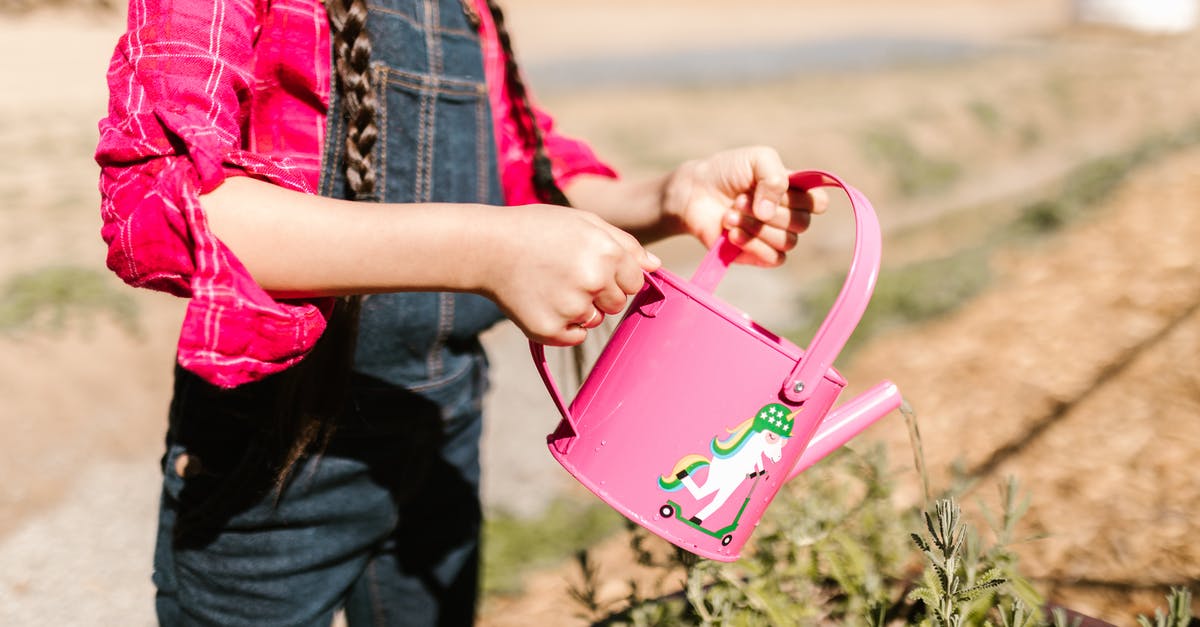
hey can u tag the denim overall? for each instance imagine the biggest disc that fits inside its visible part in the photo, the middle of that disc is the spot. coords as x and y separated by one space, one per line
385 522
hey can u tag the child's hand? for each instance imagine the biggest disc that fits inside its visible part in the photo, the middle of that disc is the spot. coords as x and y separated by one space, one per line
744 191
557 272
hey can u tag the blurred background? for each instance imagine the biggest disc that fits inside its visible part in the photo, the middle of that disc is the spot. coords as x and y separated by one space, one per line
1035 165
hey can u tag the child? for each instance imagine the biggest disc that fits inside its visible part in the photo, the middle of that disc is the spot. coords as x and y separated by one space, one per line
322 449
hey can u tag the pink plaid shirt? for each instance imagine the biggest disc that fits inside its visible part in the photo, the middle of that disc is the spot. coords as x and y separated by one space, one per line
205 89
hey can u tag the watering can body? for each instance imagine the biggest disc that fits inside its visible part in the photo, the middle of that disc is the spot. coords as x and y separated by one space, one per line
694 416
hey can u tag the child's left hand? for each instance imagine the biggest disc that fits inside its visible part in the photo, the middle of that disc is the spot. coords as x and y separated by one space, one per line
744 191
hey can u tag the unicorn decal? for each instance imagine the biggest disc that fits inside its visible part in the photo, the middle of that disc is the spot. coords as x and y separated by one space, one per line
735 459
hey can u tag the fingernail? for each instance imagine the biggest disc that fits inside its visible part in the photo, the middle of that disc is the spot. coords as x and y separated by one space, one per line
654 260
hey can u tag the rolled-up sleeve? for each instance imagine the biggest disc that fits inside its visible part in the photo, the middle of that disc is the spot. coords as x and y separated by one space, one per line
569 157
180 82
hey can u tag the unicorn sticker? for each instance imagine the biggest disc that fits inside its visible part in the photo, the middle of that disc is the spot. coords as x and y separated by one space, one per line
735 459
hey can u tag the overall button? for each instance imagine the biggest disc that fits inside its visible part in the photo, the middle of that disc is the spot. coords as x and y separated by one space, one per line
188 466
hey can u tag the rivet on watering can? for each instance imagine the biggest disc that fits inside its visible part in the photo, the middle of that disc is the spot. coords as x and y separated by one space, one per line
799 387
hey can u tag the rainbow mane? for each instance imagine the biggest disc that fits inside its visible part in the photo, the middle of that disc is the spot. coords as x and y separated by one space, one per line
732 444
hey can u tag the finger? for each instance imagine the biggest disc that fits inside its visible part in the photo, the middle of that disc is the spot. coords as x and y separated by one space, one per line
755 251
629 278
611 300
593 320
568 334
573 335
644 258
628 272
786 220
814 200
778 239
647 260
741 203
770 182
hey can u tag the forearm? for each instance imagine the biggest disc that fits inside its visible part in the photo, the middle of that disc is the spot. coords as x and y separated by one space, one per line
296 244
550 268
637 207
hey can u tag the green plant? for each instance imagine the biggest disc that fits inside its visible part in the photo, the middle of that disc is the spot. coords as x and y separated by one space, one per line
1018 615
1178 614
1060 618
954 590
46 298
587 593
514 545
903 295
831 549
1089 183
913 172
986 114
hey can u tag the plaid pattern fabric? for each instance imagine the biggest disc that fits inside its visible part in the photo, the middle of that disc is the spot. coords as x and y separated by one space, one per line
205 89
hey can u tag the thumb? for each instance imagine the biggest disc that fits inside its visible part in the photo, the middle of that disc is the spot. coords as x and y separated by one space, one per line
649 261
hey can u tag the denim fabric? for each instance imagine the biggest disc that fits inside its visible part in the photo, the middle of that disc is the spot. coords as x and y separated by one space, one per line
384 523
436 146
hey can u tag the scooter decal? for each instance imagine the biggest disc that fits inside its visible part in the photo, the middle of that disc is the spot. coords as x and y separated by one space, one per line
735 459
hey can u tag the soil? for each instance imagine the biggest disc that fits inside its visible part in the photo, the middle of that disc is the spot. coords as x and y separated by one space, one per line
1075 370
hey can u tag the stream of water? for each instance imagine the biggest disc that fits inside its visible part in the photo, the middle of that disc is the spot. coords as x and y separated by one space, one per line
914 438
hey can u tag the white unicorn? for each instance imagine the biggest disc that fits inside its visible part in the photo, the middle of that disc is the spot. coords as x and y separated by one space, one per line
735 459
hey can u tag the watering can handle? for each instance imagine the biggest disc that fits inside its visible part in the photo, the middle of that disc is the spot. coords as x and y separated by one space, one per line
847 310
543 367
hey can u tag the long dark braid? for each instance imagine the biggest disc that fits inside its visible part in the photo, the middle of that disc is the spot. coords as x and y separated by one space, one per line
319 383
544 184
352 59
313 393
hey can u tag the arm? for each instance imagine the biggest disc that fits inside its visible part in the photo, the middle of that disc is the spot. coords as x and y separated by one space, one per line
299 244
744 191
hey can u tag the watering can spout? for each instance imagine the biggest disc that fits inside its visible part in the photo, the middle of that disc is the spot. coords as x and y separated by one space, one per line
847 421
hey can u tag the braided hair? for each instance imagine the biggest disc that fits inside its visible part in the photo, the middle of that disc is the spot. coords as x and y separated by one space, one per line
352 48
311 393
544 185
352 59
314 391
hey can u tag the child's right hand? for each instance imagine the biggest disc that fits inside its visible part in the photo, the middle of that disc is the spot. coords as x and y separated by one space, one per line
557 272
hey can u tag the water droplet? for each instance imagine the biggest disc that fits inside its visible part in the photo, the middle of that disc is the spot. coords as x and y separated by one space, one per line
603 442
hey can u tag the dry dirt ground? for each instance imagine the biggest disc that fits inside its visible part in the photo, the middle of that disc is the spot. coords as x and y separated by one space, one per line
1074 371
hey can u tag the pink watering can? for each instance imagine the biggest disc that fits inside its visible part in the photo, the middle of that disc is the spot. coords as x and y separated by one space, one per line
694 416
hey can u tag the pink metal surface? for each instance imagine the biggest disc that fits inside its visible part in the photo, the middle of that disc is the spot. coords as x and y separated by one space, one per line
691 420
